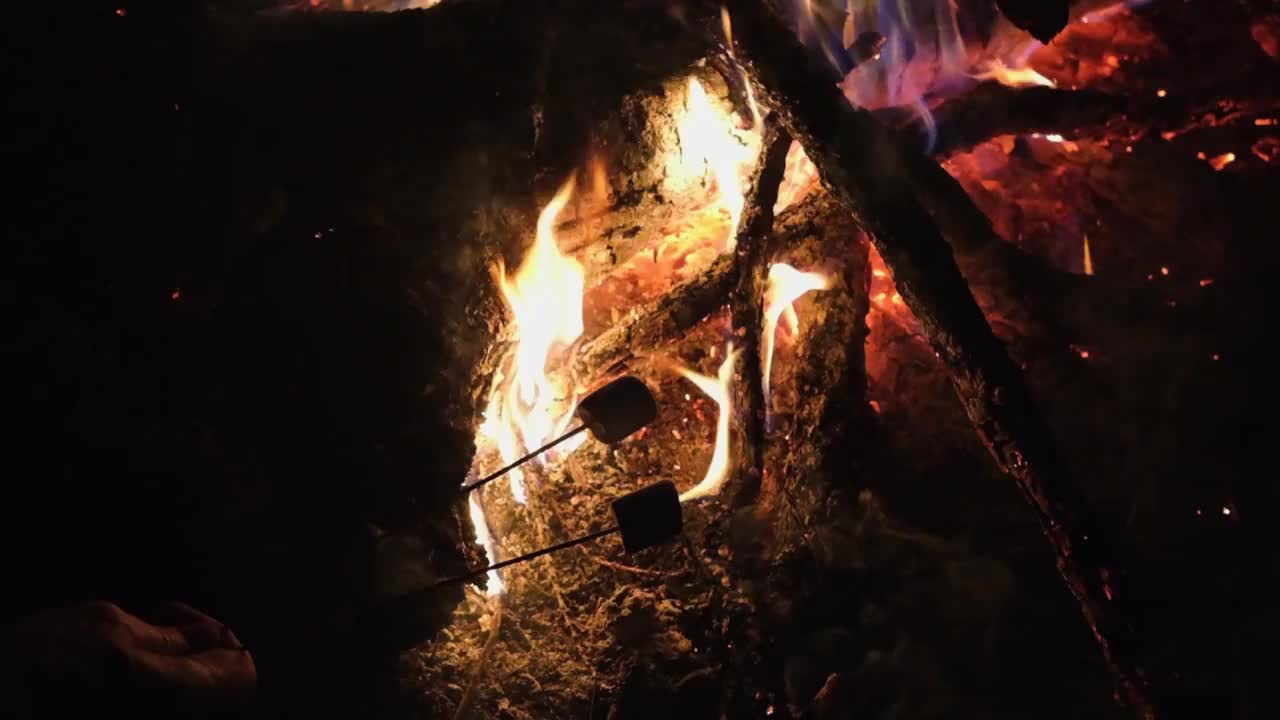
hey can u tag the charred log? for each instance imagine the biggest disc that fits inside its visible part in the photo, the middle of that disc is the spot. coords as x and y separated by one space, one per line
873 174
992 109
754 248
652 326
821 396
333 241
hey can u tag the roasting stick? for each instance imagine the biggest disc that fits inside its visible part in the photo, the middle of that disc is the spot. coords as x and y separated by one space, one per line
611 413
522 460
646 517
477 572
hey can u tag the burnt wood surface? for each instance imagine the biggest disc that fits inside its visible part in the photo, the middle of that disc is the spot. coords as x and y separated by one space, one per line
648 328
755 248
871 171
820 397
992 109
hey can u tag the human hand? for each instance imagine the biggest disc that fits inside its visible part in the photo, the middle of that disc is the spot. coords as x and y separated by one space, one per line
97 655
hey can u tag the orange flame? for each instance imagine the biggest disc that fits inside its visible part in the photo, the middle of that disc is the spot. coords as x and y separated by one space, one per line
494 586
727 24
1088 257
1013 77
716 388
545 299
786 285
708 142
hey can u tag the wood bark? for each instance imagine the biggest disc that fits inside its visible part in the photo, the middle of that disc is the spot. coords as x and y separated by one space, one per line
819 394
649 327
874 174
754 249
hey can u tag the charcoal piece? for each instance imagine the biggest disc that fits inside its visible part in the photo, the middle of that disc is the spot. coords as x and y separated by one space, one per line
649 516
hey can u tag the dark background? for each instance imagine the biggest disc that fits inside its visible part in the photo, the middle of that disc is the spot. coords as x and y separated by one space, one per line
112 478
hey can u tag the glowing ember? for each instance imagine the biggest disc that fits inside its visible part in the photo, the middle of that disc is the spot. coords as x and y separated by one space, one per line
716 388
545 299
707 142
786 285
1088 257
1221 161
1013 77
494 586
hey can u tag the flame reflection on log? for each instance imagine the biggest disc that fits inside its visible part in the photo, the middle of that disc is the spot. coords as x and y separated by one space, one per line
786 285
717 388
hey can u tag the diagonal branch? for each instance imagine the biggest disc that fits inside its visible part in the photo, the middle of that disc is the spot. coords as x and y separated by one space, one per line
746 304
875 174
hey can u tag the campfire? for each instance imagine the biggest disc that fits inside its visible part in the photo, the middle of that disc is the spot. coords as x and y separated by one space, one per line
895 273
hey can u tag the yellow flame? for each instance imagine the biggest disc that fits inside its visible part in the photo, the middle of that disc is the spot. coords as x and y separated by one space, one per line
1013 77
727 24
799 177
494 585
786 285
716 388
707 142
498 429
545 299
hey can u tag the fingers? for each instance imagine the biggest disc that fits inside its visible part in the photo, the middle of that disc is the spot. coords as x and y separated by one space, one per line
163 640
219 672
201 631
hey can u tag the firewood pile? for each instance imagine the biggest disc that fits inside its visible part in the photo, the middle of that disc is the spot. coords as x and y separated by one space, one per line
951 372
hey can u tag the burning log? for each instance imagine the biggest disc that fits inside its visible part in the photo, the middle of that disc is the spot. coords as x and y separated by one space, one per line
316 217
871 171
662 321
755 248
823 395
992 109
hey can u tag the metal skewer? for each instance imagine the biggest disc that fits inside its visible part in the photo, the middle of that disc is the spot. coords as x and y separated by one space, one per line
611 413
522 460
519 559
645 518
